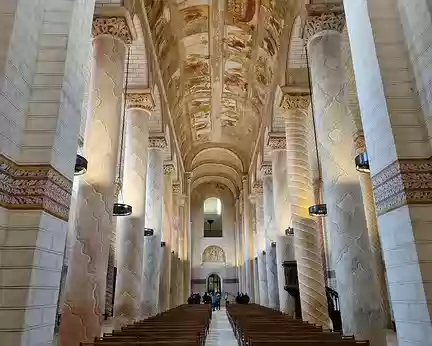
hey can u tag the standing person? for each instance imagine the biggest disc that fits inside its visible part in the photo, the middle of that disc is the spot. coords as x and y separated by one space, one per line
218 300
213 296
226 299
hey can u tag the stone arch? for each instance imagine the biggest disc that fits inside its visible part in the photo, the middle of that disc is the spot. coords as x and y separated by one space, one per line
213 254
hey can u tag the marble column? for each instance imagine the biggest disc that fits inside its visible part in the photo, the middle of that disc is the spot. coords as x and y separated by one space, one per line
247 239
182 292
306 232
174 281
86 280
359 293
282 212
130 236
153 220
260 243
188 236
270 234
238 242
165 275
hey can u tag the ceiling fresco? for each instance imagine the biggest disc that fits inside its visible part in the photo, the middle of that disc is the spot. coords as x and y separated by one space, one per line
217 59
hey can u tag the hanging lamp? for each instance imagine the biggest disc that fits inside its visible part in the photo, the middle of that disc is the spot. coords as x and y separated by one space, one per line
319 209
80 165
362 162
122 209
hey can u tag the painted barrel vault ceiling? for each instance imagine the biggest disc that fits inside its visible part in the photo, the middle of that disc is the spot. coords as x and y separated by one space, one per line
217 59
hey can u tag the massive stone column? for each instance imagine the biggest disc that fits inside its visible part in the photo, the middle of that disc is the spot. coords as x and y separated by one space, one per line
282 213
182 292
247 239
260 243
188 236
130 234
165 276
153 220
238 242
358 289
174 281
270 234
86 281
306 232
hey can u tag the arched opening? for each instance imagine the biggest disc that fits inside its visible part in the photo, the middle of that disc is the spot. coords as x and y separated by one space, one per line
212 217
214 283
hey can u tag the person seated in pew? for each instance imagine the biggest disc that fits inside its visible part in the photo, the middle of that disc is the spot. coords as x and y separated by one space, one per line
238 298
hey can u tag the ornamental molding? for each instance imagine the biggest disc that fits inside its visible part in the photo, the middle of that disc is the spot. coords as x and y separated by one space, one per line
176 188
295 101
276 141
168 168
359 143
266 170
403 182
157 142
213 253
116 27
257 188
141 100
324 18
34 187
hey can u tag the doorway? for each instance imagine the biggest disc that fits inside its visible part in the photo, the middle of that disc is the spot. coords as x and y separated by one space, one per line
214 283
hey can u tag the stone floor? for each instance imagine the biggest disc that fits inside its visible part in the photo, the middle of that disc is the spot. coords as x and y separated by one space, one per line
220 330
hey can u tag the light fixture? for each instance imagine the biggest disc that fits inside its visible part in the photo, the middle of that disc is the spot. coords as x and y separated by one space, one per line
318 210
148 232
289 231
362 162
163 244
122 209
273 244
80 165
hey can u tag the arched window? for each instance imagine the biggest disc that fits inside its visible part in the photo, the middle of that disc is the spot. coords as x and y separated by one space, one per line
212 217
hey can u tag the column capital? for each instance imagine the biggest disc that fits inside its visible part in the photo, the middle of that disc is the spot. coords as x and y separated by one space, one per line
115 26
245 179
157 142
257 188
292 101
141 99
359 143
324 17
188 176
276 141
168 168
176 188
266 170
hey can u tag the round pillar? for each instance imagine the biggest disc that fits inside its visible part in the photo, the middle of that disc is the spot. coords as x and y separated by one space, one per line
84 305
247 239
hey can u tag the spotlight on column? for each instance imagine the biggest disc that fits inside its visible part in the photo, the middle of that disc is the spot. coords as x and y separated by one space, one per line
362 162
80 165
289 231
163 244
318 210
121 209
148 232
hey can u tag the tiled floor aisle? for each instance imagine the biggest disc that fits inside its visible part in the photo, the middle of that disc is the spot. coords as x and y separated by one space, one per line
220 330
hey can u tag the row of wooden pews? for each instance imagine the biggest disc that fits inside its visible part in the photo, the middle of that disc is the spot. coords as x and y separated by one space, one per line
182 326
256 325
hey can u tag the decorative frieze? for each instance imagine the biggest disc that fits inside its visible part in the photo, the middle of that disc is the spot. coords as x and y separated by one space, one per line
403 182
168 168
157 142
35 187
116 27
266 170
324 18
141 100
276 141
295 101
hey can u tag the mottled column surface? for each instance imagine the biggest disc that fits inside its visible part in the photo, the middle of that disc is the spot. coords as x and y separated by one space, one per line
153 220
130 233
176 219
182 292
270 233
165 274
359 293
306 232
188 236
282 210
86 281
247 238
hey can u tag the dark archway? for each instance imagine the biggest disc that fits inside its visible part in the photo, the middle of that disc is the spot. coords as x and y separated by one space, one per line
214 283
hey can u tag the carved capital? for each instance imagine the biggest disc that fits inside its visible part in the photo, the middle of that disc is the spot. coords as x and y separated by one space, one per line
116 27
188 176
295 101
257 188
141 100
324 18
168 168
359 143
266 170
176 188
276 141
157 142
245 179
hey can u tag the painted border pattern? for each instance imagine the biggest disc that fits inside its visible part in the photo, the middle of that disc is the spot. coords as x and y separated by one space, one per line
34 187
403 182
